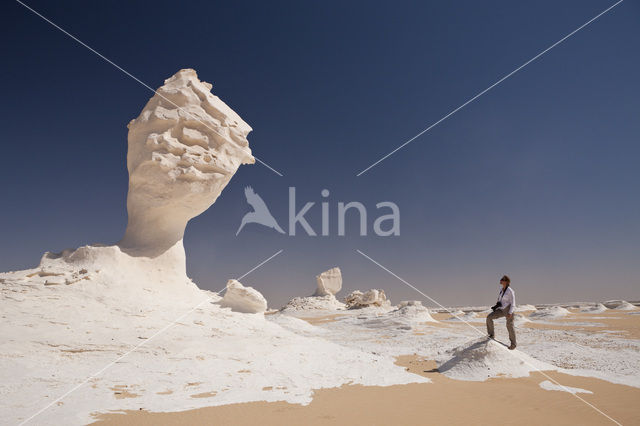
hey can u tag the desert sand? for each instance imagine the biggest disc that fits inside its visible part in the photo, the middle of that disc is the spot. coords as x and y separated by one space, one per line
620 323
444 400
520 401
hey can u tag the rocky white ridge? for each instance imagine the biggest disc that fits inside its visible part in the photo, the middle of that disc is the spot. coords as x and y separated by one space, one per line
597 308
626 306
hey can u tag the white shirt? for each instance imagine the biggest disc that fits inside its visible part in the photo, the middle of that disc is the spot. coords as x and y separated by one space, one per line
508 299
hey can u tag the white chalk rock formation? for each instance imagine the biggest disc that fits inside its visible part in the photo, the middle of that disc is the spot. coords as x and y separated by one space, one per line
550 313
625 306
525 308
373 297
243 299
414 311
313 303
329 282
597 308
487 358
183 149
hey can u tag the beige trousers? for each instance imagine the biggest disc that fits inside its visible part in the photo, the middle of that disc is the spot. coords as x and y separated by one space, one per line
498 313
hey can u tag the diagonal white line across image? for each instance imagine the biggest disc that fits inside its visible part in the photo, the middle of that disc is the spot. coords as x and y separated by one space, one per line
513 353
487 89
138 346
135 78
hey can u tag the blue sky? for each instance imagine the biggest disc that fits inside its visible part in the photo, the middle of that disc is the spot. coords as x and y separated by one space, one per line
538 178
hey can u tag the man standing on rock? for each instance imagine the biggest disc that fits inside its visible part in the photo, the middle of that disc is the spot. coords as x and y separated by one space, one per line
504 308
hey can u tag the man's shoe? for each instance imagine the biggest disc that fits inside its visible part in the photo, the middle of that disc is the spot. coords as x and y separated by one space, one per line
490 336
512 347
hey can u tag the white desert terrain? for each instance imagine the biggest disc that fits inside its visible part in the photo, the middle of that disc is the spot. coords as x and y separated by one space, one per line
120 335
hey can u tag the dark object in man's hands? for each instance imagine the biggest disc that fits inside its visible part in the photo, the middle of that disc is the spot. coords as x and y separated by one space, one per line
496 306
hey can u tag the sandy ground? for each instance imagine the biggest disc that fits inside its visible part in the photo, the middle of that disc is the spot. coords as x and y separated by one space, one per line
519 401
322 319
624 324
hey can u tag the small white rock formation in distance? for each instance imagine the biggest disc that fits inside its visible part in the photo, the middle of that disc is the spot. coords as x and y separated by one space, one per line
373 297
625 306
329 282
524 308
413 310
550 312
597 308
243 299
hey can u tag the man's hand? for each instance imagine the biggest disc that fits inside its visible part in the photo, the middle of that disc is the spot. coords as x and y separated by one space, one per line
509 316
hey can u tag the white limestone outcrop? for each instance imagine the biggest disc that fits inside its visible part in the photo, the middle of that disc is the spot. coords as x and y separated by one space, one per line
625 306
414 311
329 282
184 147
596 308
313 303
550 313
243 299
485 358
373 297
